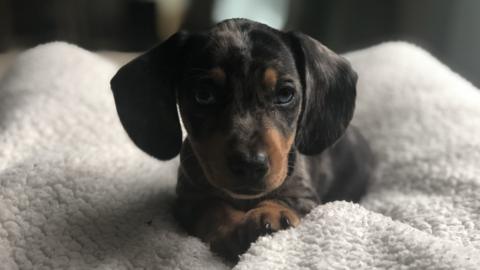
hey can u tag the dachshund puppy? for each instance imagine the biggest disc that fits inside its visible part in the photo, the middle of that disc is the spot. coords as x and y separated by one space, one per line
266 113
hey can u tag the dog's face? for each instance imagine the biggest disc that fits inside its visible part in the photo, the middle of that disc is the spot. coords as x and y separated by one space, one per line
248 95
240 97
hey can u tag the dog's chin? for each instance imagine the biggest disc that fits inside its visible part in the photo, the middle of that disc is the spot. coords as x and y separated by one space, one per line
241 194
249 194
244 196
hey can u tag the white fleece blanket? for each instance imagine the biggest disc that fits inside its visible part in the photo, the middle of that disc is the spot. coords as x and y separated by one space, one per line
77 194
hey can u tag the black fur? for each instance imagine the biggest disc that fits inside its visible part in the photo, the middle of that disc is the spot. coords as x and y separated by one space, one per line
330 85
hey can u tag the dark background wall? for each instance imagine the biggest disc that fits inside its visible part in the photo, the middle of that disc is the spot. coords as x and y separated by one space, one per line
101 24
449 29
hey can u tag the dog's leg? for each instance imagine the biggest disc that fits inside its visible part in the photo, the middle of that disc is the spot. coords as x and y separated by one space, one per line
217 221
230 231
214 222
233 237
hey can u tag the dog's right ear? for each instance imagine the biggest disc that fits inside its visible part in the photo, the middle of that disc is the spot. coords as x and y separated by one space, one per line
145 97
329 93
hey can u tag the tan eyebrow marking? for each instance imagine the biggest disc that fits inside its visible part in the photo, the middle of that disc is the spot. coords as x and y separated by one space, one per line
218 75
270 77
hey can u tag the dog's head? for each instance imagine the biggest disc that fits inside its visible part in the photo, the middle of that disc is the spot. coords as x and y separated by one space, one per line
248 96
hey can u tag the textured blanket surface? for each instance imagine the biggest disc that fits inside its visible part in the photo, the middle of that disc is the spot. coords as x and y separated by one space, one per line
77 194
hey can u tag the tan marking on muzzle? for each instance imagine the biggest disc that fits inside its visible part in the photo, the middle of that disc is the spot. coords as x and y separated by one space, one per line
210 156
277 147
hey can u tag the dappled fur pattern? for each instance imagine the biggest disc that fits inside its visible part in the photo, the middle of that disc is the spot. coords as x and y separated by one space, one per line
250 165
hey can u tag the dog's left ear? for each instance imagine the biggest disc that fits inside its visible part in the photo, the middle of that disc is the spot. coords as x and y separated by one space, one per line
329 92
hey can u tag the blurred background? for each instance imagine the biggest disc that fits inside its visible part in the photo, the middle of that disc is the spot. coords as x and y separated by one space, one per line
449 29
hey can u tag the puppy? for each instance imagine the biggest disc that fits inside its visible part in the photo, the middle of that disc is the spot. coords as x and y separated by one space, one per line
266 113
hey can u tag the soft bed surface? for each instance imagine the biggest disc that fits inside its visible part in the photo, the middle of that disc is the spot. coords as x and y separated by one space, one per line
76 193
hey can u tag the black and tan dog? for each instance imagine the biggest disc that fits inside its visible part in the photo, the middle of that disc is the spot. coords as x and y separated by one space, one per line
266 113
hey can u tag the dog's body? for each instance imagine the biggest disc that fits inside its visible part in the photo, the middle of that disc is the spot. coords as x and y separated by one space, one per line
339 173
265 112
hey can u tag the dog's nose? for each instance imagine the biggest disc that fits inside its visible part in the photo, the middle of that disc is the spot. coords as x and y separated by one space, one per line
251 168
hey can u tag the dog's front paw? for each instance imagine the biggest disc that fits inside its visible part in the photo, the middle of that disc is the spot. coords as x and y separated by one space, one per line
268 217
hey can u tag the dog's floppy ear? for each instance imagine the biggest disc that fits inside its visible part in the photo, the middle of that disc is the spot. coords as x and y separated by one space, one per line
145 97
329 91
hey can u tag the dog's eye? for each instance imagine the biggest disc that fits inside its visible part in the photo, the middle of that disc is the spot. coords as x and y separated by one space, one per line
284 95
204 97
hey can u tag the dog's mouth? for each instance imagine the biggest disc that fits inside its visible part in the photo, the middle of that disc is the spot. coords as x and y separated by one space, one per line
246 190
243 192
218 176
